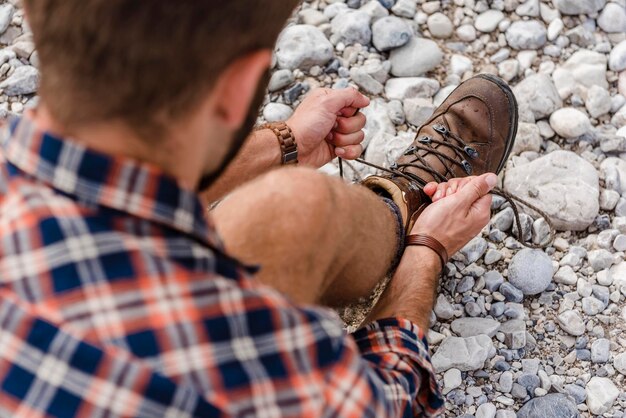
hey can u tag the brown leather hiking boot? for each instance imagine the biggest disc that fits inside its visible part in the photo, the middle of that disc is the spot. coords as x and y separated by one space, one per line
471 133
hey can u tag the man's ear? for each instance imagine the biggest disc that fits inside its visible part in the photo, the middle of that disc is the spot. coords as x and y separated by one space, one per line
236 87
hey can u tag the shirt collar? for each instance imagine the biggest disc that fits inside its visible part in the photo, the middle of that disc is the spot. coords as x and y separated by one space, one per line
123 184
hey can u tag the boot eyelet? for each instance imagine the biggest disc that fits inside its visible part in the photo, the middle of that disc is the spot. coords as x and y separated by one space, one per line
471 152
393 166
467 167
441 129
425 140
410 150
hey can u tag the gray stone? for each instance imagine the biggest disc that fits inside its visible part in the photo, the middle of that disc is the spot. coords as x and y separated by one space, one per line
570 123
578 393
553 405
474 249
571 322
576 7
600 350
405 8
439 25
492 256
613 18
303 46
530 271
390 32
24 80
562 184
493 280
416 58
528 8
443 309
365 81
592 306
598 101
462 353
615 169
6 14
352 27
511 293
601 394
488 21
539 94
277 112
526 34
506 382
411 87
529 381
514 333
470 327
503 220
280 79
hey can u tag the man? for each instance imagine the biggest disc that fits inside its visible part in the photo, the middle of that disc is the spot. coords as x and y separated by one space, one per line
117 297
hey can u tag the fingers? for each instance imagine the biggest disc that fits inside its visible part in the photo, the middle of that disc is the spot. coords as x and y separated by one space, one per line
349 152
347 125
477 188
336 100
341 140
430 189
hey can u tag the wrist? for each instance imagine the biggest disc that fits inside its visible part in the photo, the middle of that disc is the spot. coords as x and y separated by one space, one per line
286 141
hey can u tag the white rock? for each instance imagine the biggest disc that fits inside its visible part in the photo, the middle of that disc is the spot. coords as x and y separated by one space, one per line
384 148
405 8
526 34
617 58
566 275
617 166
619 362
528 138
280 79
470 327
486 410
312 17
377 121
539 94
365 81
390 32
277 112
462 353
375 10
562 184
303 46
352 27
613 18
439 25
466 33
24 80
415 58
598 101
528 8
418 110
451 380
571 322
576 7
601 394
6 14
588 68
530 271
570 123
460 64
488 21
508 69
554 29
410 87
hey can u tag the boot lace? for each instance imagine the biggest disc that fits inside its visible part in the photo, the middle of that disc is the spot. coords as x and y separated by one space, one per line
464 154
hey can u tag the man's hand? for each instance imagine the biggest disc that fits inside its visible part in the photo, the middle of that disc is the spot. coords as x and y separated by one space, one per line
328 124
460 209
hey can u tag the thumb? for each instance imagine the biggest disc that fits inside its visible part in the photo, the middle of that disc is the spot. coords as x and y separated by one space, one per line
477 188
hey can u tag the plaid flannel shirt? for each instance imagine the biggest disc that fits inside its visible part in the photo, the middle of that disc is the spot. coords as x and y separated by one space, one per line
118 300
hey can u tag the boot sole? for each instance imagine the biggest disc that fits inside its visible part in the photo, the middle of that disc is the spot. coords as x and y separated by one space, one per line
513 119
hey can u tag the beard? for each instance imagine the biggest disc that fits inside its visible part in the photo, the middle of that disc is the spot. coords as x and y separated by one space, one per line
208 179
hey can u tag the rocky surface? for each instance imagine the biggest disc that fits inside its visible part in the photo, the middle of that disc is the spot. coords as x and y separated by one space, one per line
514 332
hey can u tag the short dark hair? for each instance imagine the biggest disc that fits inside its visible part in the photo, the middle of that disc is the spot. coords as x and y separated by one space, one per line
142 61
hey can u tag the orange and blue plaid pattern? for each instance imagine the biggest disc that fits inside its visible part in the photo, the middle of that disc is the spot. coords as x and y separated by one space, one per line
118 300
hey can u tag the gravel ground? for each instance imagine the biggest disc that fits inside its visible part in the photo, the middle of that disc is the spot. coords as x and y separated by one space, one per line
515 332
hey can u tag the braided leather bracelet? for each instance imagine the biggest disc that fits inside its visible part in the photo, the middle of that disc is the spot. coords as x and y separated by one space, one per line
430 242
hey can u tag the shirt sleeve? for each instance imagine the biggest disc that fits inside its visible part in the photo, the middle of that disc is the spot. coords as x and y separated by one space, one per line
397 351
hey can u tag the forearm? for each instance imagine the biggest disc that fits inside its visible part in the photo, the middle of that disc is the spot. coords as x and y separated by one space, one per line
260 153
411 292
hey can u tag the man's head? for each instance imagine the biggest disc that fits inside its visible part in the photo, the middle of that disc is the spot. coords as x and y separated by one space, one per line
154 64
